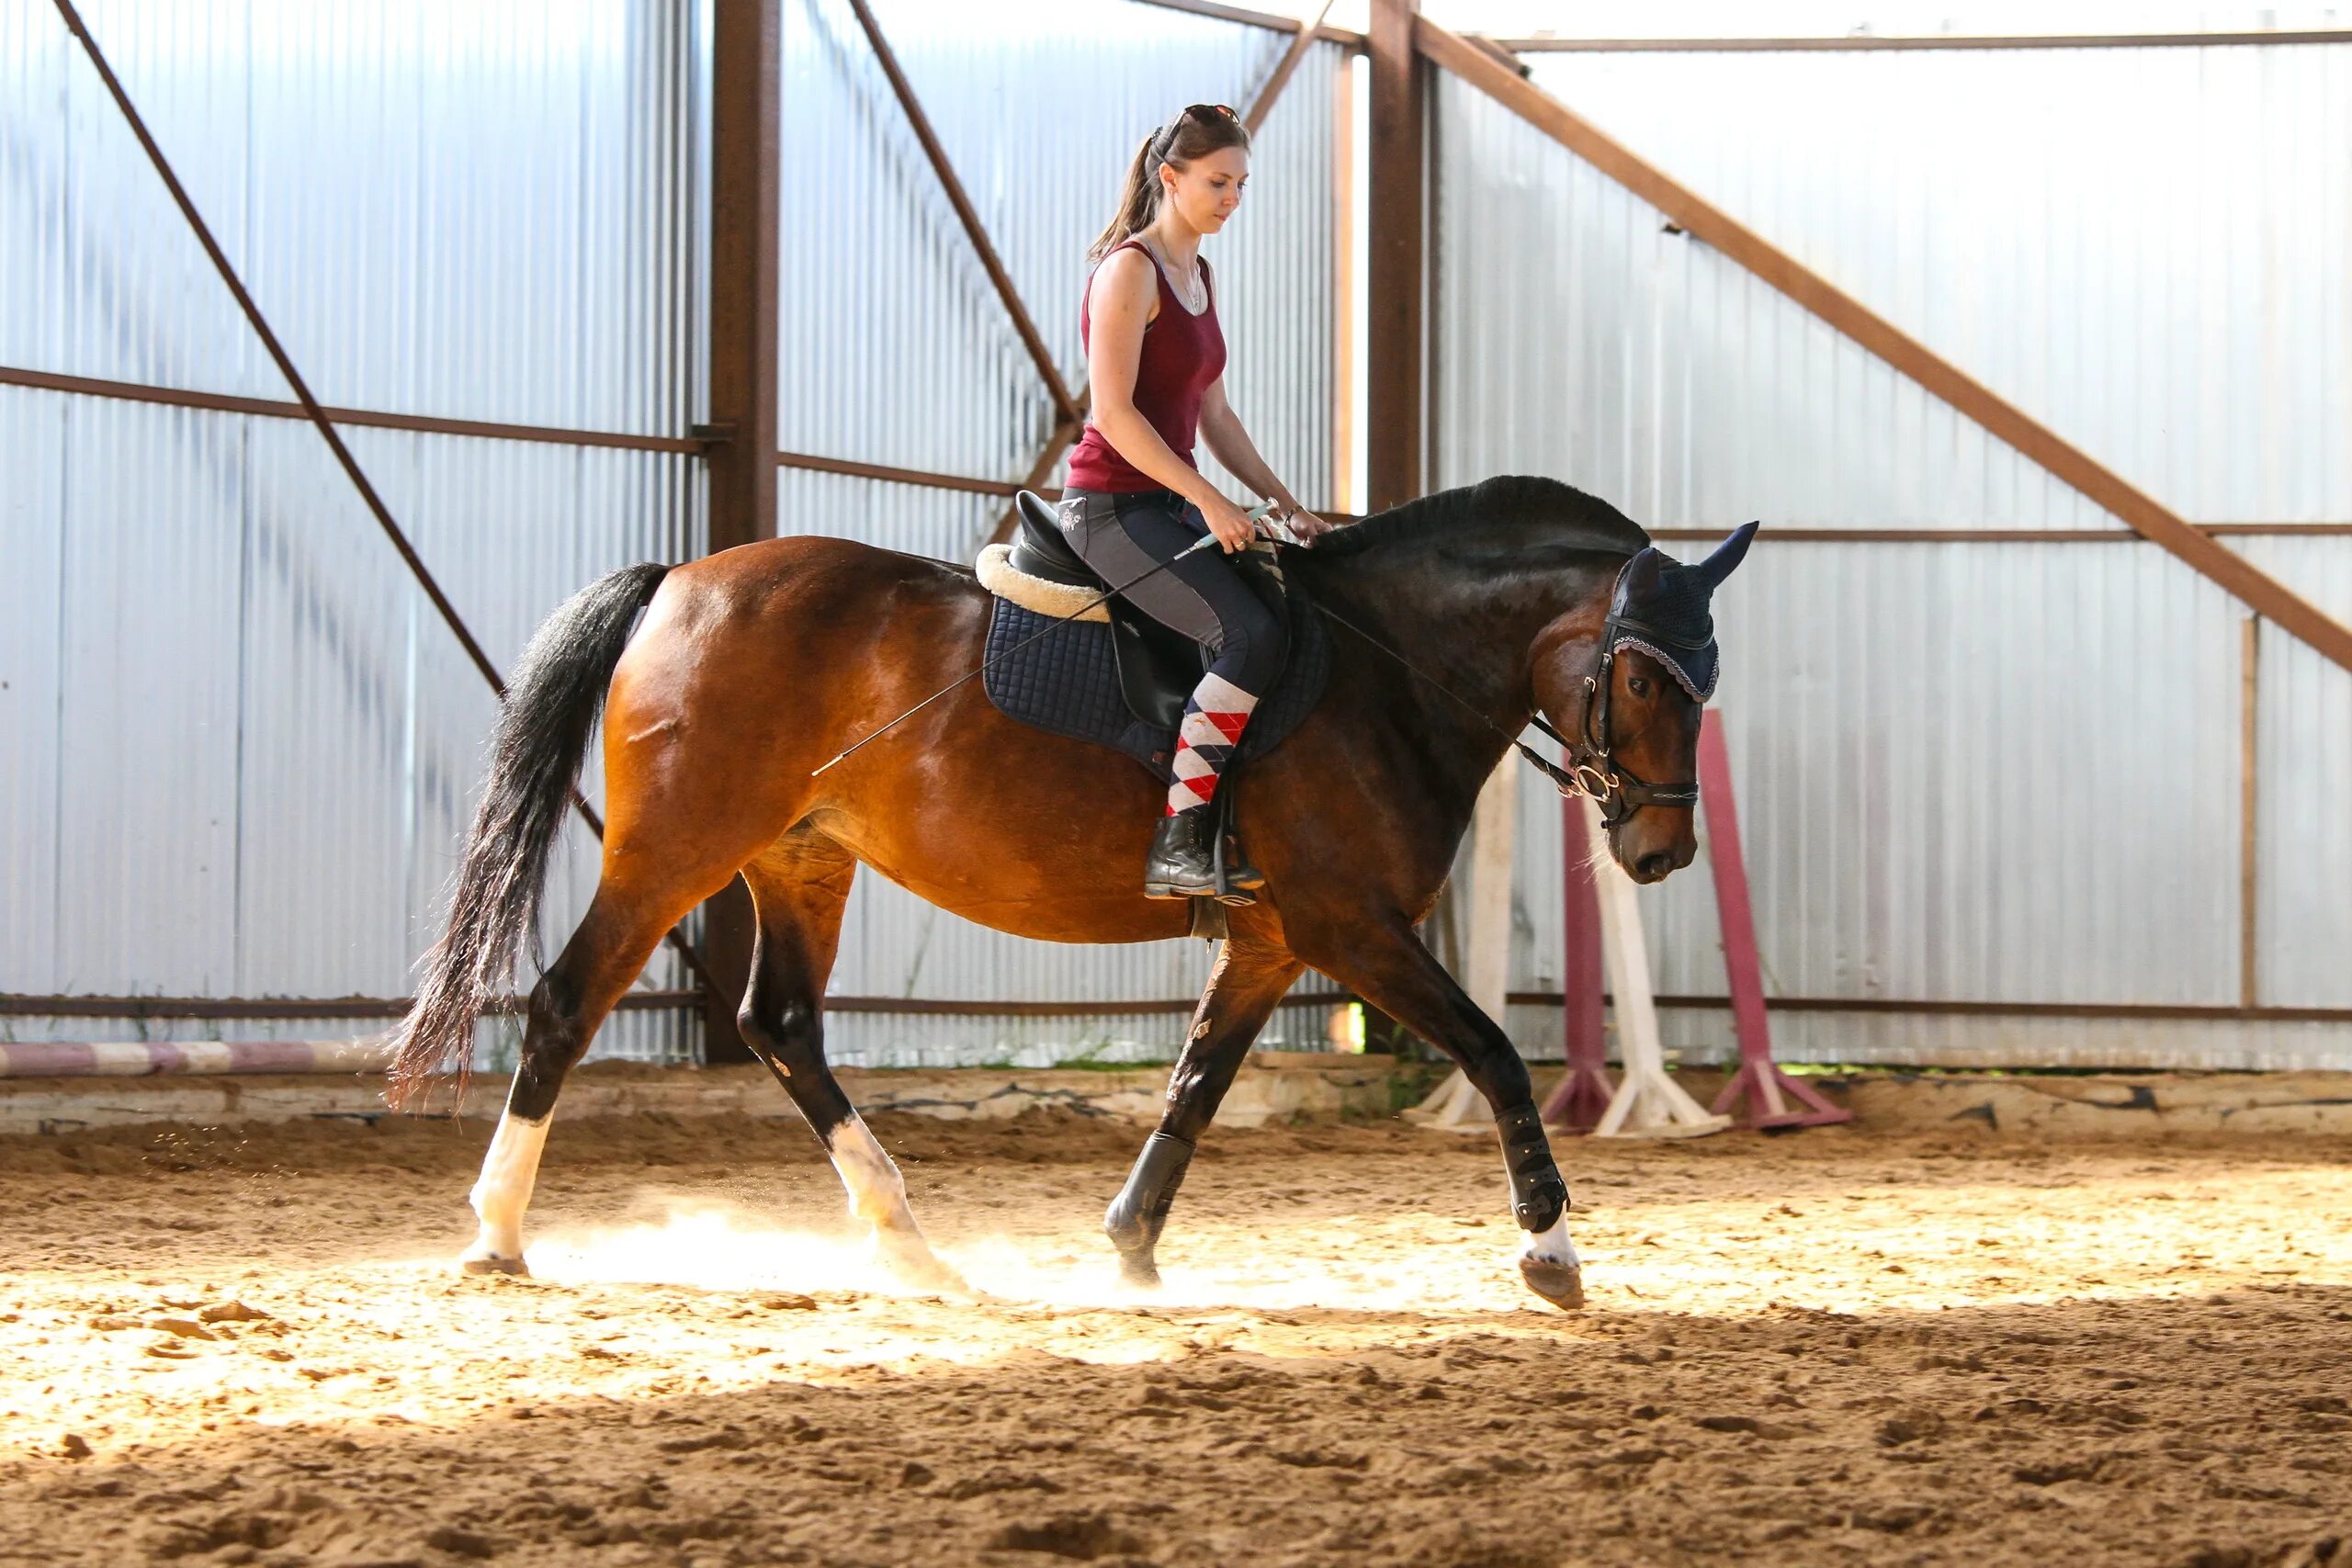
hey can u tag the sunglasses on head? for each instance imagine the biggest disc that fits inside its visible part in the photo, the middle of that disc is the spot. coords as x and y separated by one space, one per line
1205 114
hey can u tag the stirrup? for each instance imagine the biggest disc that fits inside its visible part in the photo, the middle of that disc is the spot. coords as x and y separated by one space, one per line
1228 893
1182 874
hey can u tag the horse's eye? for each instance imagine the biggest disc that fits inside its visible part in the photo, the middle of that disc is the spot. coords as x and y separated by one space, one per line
1638 685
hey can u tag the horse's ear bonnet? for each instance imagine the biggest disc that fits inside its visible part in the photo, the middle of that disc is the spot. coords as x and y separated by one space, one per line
1660 607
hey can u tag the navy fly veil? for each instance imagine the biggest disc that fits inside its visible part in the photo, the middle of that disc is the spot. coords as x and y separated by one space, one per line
1661 606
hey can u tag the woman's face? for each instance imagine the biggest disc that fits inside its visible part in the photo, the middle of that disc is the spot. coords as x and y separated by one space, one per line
1206 191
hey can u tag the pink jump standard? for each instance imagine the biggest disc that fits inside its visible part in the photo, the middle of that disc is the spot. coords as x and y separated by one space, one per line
1768 1091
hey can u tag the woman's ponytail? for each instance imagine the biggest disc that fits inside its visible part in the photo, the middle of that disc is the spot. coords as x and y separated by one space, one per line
1200 130
1138 200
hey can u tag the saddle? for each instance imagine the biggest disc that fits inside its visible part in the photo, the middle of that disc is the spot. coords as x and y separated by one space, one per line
1113 675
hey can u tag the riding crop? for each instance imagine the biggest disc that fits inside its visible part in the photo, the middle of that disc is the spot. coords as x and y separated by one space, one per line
1256 514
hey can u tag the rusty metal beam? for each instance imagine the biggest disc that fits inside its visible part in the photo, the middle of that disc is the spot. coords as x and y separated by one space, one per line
1255 116
1738 243
685 446
746 222
1250 19
20 1006
266 408
2188 1012
1065 406
891 474
1395 411
1926 41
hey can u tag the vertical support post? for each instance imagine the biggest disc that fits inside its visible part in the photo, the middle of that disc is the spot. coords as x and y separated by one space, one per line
1578 1100
2249 815
746 136
1774 1098
1396 437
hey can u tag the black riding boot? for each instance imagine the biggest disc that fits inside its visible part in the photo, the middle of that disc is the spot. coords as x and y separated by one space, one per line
1183 861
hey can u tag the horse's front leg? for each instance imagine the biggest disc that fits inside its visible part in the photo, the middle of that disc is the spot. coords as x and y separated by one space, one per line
1243 990
1387 965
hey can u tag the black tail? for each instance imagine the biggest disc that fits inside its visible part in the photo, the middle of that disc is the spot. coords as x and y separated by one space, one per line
551 707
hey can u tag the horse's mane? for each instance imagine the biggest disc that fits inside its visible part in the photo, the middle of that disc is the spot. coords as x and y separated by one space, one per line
1545 511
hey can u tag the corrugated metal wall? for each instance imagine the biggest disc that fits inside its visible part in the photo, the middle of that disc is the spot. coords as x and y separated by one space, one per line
897 350
240 749
1978 770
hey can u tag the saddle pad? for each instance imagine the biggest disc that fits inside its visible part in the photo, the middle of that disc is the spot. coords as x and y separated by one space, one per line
1067 683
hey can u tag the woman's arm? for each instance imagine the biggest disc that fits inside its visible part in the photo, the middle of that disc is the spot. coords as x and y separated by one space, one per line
1230 444
1221 432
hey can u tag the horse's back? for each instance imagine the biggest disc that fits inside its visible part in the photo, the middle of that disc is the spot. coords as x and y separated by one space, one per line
802 570
791 626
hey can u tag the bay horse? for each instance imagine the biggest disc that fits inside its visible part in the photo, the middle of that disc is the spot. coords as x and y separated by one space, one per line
753 666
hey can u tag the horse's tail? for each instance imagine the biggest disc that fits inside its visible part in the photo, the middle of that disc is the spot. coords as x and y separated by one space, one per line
550 709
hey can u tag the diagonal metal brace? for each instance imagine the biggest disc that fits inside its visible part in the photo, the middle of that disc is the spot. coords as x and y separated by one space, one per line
317 415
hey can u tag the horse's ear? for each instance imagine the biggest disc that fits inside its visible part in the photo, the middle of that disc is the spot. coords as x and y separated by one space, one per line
1643 573
1726 556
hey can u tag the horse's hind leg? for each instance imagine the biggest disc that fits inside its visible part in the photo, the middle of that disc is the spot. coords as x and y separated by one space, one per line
1242 992
616 937
800 886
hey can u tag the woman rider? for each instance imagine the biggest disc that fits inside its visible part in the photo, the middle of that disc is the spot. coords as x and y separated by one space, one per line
1156 357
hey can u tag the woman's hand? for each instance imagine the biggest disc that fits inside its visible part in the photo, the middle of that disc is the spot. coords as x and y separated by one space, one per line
1305 524
1299 524
1227 522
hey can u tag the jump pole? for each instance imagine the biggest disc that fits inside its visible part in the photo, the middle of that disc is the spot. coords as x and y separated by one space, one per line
1648 1103
1772 1097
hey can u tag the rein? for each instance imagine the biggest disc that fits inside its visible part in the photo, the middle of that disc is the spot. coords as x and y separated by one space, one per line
1592 771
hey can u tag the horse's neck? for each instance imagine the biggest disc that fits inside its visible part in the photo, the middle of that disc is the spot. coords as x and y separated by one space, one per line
1475 638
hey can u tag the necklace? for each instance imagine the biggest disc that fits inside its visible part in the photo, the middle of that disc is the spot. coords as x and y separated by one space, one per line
1190 288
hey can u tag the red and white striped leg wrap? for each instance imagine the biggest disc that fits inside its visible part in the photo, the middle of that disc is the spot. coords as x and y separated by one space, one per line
1214 718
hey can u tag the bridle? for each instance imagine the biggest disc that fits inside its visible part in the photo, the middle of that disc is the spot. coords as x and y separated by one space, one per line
1594 770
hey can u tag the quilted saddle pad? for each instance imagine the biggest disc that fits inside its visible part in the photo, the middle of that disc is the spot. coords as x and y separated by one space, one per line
1067 683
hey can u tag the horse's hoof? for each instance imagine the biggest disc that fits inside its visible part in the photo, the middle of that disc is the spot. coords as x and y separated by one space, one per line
1139 1271
1562 1284
487 1263
919 1268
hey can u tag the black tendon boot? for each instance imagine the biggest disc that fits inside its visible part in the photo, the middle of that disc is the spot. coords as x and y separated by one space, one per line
1183 862
1140 1211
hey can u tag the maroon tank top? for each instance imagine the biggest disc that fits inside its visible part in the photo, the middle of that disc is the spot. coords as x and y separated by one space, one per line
1182 355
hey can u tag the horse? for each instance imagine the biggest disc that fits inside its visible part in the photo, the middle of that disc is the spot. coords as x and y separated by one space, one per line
1458 618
